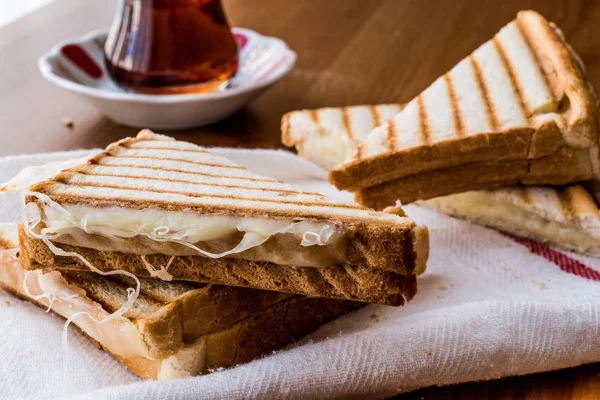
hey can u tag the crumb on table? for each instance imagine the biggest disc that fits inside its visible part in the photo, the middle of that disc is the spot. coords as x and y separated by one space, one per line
68 122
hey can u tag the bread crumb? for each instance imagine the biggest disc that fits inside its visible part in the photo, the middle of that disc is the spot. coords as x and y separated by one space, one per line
540 285
429 354
7 302
68 123
374 317
443 287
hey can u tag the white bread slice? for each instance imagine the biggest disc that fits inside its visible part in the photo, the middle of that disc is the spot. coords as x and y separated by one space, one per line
174 329
522 95
565 217
328 136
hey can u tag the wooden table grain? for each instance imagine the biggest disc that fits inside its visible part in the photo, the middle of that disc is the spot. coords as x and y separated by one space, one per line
350 52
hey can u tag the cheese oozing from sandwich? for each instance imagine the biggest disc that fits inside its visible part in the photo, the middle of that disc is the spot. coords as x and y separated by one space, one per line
495 209
152 231
302 242
119 335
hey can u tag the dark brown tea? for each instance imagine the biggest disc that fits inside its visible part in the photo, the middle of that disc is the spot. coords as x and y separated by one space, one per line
171 46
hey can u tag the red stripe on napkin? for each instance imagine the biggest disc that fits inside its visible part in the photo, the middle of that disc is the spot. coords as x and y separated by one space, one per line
563 261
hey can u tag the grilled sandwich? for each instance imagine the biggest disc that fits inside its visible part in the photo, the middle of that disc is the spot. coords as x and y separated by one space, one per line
504 115
566 217
329 136
154 206
174 329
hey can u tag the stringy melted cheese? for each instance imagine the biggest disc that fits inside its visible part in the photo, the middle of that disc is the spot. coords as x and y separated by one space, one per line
152 231
120 336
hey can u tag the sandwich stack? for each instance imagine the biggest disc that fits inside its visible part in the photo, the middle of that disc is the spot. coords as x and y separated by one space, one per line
177 261
565 215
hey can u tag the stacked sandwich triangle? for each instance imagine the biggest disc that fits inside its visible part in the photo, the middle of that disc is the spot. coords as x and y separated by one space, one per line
519 110
134 243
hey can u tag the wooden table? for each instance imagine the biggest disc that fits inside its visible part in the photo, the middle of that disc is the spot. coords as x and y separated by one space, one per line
350 52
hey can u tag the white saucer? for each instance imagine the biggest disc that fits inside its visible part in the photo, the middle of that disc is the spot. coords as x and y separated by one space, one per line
78 66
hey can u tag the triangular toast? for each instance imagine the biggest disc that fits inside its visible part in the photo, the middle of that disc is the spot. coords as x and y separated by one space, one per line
156 197
519 97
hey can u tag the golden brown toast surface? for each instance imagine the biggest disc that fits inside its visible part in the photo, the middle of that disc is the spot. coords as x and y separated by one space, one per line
523 95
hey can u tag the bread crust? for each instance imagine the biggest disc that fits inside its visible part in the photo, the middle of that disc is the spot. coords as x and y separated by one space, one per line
563 167
499 146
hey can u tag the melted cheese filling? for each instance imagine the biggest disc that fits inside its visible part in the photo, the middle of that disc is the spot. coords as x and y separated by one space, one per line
119 335
507 216
184 233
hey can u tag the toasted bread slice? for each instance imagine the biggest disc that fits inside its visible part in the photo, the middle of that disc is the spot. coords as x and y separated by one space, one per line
564 217
521 96
339 282
152 195
563 167
329 136
174 329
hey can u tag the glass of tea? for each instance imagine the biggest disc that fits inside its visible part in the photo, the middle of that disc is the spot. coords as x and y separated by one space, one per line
171 46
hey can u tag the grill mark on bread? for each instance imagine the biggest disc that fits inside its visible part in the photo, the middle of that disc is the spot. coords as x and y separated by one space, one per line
219 196
456 114
183 160
314 115
375 115
423 125
198 183
522 31
246 178
346 122
483 92
167 148
391 135
359 152
236 210
512 78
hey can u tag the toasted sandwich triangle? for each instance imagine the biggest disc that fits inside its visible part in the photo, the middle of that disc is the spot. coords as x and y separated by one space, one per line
567 217
522 95
150 204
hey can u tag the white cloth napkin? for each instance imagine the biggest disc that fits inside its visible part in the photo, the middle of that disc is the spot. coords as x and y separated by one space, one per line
489 306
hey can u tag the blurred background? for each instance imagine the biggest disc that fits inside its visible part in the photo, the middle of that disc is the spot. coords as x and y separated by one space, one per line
349 52
11 10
